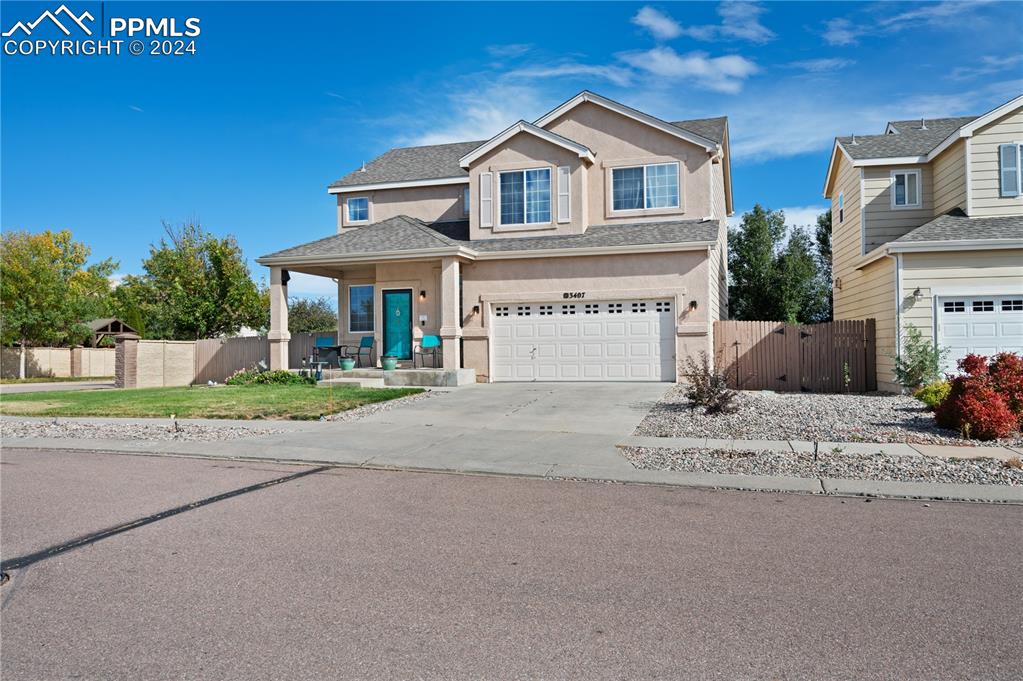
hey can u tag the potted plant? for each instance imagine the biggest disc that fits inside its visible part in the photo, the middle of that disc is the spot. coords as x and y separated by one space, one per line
389 363
347 363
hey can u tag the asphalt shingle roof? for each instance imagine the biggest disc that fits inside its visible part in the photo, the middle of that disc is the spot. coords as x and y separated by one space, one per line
441 160
910 140
955 226
403 233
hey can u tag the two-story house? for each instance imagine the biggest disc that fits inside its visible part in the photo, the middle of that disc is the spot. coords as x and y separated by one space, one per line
928 231
589 244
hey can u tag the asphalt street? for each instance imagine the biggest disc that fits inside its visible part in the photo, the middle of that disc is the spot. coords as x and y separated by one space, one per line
293 572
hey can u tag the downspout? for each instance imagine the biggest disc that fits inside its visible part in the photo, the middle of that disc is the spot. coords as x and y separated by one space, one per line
710 185
898 303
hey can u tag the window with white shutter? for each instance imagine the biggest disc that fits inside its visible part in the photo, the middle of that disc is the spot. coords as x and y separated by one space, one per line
1009 169
486 199
564 194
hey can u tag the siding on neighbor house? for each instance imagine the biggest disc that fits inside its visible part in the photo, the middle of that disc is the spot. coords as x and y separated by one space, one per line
950 179
983 146
884 224
954 273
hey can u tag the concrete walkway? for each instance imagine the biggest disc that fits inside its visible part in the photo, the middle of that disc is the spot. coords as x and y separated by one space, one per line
568 430
13 388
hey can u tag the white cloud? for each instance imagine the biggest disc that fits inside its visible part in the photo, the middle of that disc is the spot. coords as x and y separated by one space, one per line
987 66
117 278
795 216
821 65
720 74
509 51
481 114
136 108
660 25
840 32
309 286
843 31
613 74
739 21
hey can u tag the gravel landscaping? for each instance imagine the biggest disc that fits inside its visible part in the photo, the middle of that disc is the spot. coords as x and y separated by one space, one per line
376 407
796 416
829 465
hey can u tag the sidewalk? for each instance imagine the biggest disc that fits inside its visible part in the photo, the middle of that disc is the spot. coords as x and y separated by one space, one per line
383 442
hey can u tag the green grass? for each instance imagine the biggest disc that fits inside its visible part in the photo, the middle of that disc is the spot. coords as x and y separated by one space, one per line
54 379
224 402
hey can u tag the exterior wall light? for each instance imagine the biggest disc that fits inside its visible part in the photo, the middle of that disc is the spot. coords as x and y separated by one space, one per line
693 305
422 295
918 295
475 309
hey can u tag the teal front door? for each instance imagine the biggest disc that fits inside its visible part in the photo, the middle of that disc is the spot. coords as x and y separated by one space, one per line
397 324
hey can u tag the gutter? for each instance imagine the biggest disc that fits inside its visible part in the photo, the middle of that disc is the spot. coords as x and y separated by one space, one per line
959 245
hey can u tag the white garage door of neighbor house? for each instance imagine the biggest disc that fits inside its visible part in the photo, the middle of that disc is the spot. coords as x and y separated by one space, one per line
983 325
622 340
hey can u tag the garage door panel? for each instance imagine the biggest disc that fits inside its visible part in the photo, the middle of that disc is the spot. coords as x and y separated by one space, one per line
982 325
617 340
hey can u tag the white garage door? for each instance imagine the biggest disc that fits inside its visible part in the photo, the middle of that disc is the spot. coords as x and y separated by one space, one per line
625 340
983 325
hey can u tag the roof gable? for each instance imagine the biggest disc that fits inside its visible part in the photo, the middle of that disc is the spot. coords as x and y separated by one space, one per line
527 128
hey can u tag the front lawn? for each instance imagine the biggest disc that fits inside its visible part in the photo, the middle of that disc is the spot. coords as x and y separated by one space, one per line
223 402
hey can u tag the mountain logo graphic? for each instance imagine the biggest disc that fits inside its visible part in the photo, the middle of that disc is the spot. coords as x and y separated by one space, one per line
69 16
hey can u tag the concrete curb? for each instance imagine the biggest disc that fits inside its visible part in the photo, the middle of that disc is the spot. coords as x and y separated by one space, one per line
754 483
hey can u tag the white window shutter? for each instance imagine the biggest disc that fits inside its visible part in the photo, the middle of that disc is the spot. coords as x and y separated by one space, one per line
1008 169
486 199
564 194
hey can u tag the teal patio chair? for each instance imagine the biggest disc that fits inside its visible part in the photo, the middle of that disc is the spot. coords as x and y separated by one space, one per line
363 349
429 345
323 345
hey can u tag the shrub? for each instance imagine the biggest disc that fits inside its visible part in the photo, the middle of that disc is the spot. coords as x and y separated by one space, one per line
933 393
920 361
974 405
276 377
708 388
1006 372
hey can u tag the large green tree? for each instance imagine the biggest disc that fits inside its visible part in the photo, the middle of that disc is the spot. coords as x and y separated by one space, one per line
774 273
823 235
311 315
47 290
195 285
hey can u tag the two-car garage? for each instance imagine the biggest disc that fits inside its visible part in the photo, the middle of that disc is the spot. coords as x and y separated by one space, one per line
580 340
983 325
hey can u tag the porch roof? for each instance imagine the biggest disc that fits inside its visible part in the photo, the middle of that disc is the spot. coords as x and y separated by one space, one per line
403 236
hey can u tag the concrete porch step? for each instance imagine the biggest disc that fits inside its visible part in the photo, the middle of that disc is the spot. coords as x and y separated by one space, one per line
427 378
377 382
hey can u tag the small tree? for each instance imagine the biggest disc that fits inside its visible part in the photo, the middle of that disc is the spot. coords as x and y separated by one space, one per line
920 360
311 316
196 285
47 291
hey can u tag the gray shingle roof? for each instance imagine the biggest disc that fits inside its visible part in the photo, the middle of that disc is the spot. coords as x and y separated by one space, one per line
711 128
412 163
441 160
911 140
403 233
955 226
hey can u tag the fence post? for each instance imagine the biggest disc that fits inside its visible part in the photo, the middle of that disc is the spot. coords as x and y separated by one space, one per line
870 356
126 360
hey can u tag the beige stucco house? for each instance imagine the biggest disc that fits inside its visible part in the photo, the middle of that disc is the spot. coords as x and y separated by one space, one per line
586 245
928 231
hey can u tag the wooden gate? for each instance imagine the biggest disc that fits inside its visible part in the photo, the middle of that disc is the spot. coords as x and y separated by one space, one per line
833 357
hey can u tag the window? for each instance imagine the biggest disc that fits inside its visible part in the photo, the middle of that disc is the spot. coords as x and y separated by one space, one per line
614 308
841 207
358 210
955 306
592 308
653 186
523 310
983 306
664 306
1010 169
501 311
639 307
1012 305
546 310
568 309
465 201
526 197
905 189
360 309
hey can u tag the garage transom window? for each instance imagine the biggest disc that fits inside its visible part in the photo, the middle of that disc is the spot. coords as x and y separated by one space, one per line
983 306
652 186
955 306
1012 305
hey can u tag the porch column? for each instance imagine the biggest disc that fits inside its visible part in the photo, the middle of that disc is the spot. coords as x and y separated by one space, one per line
450 324
278 335
341 306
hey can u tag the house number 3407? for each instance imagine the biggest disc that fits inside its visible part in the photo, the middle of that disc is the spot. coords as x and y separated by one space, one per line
573 294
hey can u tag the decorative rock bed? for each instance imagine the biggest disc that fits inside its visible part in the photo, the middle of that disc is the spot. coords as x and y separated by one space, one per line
795 416
830 464
77 430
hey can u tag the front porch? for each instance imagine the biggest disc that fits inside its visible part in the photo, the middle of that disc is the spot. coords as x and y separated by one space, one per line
398 304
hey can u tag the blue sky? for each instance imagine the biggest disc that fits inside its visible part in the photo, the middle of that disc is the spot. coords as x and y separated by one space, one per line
283 98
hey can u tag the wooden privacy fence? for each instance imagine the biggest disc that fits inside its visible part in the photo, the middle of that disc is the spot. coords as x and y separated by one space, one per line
833 357
217 358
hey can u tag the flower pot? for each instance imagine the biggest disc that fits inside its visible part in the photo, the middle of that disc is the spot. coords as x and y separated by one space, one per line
347 363
389 363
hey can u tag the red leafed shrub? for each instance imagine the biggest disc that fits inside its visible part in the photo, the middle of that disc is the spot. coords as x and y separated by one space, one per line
1006 372
976 405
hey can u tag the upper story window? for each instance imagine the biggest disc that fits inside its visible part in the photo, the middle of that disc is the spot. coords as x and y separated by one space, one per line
360 308
639 187
465 201
1010 169
525 196
358 210
905 189
841 206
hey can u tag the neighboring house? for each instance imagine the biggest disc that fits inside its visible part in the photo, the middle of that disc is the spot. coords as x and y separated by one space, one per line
589 244
928 231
